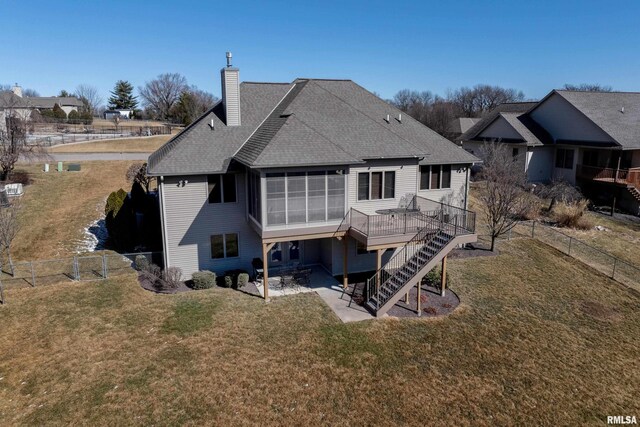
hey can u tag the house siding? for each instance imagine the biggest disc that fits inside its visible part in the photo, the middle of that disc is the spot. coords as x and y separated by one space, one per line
406 184
540 165
190 221
456 195
563 121
500 129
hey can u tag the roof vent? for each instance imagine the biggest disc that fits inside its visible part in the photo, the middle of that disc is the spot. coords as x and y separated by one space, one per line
622 110
399 117
386 119
211 125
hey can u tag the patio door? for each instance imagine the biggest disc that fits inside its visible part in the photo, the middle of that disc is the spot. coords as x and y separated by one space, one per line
286 253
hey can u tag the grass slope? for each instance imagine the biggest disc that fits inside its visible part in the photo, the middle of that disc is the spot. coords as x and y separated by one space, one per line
57 207
539 339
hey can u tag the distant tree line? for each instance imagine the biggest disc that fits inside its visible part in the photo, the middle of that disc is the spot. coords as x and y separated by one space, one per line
438 112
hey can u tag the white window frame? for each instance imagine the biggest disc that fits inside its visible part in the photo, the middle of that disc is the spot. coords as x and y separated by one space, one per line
440 187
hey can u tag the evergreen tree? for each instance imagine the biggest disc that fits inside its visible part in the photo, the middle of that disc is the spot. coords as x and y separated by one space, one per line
122 97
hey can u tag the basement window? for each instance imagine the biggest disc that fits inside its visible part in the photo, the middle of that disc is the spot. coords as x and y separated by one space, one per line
224 246
564 158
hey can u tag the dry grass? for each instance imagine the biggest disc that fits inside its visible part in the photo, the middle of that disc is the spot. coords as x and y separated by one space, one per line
572 215
539 339
124 145
57 207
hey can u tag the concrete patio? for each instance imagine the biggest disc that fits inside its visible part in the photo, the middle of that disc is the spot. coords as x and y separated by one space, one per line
328 288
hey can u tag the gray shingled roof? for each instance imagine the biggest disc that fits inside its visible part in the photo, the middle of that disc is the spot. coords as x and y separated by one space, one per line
462 124
312 122
507 107
8 99
605 110
50 101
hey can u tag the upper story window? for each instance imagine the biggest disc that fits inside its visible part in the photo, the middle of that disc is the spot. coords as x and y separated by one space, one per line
299 197
435 177
222 188
376 185
564 158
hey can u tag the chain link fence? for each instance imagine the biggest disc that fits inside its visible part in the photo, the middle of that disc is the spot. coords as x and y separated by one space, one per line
94 266
618 269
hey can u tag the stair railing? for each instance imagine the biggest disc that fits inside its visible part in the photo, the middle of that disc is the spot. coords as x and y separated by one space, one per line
408 251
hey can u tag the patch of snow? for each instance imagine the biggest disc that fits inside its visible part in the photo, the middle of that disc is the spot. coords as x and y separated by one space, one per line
94 237
600 228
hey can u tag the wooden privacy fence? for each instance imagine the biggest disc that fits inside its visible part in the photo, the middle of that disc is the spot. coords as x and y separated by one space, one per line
93 266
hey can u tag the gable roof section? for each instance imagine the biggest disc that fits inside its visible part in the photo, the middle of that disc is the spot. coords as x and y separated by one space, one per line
605 110
309 122
507 107
50 101
198 149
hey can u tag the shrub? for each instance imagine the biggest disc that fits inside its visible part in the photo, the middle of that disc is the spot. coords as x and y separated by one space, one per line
434 277
227 282
243 279
203 279
172 277
58 112
571 214
234 274
74 116
141 262
153 274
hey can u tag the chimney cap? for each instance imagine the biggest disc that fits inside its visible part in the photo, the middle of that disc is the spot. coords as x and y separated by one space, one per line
229 56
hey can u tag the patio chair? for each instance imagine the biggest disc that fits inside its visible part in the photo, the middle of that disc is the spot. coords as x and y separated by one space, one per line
302 277
288 281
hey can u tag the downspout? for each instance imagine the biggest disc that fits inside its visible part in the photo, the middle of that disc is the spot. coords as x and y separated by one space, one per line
163 224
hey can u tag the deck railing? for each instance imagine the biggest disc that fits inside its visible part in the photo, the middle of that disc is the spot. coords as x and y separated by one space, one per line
420 213
615 176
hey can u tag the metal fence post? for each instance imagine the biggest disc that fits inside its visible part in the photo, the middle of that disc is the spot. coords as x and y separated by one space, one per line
613 274
76 270
569 251
104 265
533 228
33 275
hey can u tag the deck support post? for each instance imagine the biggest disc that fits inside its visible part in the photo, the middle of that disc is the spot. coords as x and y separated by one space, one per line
443 277
379 253
406 298
418 298
345 265
266 247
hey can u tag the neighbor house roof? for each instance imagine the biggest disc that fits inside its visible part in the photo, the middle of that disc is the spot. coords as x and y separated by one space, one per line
308 122
50 101
462 124
8 99
507 107
616 113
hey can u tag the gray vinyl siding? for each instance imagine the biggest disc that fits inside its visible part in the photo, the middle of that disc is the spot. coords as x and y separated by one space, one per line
406 171
452 196
356 263
231 96
541 164
563 121
499 129
190 221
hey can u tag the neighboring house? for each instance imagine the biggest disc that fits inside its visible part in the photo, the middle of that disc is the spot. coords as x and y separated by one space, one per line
14 100
122 114
460 125
313 172
589 139
12 105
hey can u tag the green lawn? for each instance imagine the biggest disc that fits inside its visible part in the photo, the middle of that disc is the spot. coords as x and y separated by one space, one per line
538 339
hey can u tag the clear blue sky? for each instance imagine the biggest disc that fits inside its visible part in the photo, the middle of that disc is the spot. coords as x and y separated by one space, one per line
385 46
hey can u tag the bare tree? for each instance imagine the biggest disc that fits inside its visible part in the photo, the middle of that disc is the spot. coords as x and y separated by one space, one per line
30 93
137 172
504 198
90 97
13 136
9 227
192 104
479 100
588 87
161 94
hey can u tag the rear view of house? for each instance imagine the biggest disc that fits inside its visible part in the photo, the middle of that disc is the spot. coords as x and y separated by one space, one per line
312 172
589 139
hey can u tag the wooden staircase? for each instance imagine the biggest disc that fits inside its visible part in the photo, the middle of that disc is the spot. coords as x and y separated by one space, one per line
409 266
634 192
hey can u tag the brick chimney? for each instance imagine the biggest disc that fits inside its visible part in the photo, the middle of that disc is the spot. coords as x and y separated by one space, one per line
17 90
231 93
